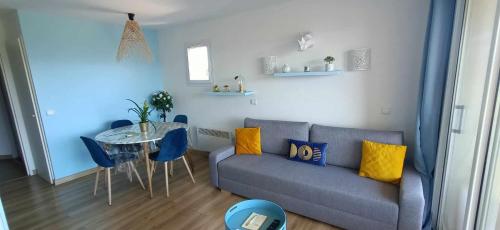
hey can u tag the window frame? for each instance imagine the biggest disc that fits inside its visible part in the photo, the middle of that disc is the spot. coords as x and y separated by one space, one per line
188 75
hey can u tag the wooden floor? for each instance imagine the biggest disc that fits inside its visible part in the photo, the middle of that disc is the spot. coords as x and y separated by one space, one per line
11 169
30 203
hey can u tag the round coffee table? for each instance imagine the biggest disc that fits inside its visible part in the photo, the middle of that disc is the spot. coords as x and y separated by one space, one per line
238 213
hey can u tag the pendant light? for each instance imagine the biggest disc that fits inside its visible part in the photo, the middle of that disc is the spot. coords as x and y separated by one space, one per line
133 42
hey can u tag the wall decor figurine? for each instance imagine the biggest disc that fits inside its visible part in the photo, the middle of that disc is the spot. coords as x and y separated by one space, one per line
269 63
359 59
306 42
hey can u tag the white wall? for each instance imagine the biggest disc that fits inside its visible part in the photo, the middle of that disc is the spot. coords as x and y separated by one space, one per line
393 29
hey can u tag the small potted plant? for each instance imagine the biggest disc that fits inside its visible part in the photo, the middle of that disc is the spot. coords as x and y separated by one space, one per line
143 114
162 102
329 66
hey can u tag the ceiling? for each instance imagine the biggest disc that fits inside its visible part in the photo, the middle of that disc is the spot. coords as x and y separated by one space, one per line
148 12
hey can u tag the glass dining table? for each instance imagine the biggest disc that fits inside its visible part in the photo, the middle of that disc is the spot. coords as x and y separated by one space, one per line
131 135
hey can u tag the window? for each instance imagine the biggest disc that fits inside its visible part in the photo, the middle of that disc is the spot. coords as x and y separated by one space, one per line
199 66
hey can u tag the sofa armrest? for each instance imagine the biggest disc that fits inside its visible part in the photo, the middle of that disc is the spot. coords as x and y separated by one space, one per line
214 158
411 200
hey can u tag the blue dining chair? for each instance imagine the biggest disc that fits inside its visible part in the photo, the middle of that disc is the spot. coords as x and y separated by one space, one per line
120 123
173 146
181 118
104 162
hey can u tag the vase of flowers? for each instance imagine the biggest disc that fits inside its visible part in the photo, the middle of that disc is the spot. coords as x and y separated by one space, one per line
162 102
143 114
329 63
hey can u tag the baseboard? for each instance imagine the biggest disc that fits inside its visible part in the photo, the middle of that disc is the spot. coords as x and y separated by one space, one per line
93 170
75 176
5 157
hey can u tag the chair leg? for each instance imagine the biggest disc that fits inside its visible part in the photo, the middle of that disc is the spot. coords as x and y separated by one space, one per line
190 161
105 185
166 178
108 172
154 164
129 173
136 174
172 168
96 180
189 170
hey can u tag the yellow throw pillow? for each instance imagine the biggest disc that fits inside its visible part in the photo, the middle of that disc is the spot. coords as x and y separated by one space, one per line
248 141
382 162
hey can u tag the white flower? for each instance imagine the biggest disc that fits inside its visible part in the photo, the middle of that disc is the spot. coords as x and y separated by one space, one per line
168 97
168 106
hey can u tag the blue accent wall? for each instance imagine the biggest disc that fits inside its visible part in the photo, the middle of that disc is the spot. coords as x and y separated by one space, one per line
76 74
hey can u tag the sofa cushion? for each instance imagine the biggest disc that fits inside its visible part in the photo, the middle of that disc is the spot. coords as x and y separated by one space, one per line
382 162
308 152
275 134
344 144
331 186
248 141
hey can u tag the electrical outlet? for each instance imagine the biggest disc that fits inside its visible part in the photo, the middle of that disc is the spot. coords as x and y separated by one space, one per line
385 110
51 112
253 101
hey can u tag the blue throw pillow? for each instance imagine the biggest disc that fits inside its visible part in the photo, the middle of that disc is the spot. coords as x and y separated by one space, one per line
312 153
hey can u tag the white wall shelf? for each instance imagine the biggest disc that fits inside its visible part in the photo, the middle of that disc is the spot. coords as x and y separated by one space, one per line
231 93
309 74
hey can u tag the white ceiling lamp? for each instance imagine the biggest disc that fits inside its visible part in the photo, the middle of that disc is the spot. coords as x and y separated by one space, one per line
133 42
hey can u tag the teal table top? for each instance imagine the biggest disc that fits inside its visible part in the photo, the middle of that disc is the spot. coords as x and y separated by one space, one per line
239 212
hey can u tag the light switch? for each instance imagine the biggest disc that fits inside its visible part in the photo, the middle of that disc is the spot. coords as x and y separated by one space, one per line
51 112
385 110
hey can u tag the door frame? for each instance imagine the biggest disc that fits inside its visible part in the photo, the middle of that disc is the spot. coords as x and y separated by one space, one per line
36 106
448 101
485 123
18 120
14 113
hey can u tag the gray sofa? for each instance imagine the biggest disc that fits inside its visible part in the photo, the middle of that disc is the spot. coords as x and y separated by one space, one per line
334 194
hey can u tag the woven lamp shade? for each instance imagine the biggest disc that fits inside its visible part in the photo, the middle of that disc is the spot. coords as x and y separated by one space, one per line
133 42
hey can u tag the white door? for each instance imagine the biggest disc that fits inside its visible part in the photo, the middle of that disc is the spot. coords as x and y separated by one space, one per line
31 116
489 209
471 117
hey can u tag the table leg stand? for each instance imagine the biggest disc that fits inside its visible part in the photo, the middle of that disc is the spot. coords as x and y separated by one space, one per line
148 168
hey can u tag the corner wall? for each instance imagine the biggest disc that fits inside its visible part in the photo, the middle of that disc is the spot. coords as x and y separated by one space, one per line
393 29
75 74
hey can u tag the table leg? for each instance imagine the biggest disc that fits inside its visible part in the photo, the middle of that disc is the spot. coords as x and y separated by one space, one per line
145 147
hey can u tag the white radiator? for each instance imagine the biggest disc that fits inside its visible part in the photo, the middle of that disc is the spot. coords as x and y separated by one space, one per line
212 139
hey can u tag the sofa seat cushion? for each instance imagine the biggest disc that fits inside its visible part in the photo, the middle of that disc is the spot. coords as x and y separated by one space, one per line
331 186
